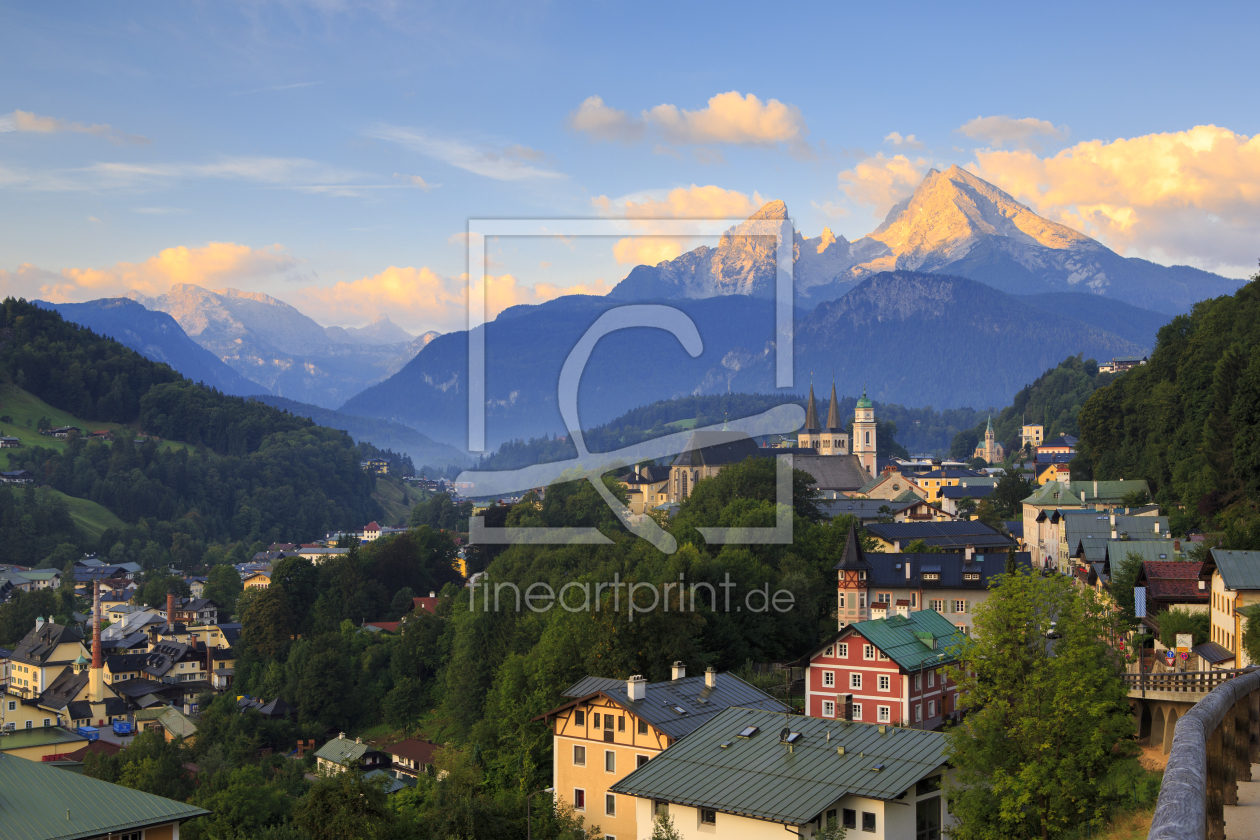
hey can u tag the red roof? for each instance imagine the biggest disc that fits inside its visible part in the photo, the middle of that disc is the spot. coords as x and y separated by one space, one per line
98 746
371 526
418 751
1169 580
387 626
426 604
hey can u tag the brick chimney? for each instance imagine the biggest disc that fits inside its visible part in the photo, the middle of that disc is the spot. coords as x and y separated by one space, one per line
96 677
170 607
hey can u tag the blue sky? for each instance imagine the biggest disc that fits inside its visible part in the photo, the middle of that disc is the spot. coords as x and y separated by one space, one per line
292 147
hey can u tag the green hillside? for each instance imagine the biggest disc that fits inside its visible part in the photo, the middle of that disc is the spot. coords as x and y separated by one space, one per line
21 411
92 519
396 499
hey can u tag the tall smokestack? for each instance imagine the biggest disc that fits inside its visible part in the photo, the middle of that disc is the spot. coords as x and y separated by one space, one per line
170 609
96 624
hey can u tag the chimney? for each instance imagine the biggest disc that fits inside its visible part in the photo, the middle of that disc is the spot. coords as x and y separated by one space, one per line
903 610
636 687
432 594
636 470
879 610
679 670
341 736
907 570
358 740
1157 526
209 661
96 677
968 553
170 607
710 678
1202 585
1113 523
39 622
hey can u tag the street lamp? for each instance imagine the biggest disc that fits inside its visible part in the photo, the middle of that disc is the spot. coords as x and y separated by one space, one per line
529 828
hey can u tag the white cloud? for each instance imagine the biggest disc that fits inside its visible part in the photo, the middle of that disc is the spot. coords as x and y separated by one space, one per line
417 182
501 164
728 118
1026 133
1186 196
880 182
910 141
26 121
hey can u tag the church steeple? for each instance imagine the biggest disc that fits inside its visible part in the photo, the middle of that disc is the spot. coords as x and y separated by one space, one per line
833 413
811 412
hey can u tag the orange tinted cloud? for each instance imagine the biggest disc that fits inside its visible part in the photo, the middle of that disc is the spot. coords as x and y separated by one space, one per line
1190 196
213 264
1025 133
37 124
694 202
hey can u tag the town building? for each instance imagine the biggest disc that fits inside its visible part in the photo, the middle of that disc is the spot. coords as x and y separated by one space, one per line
43 801
953 584
934 482
259 579
756 775
989 450
376 466
948 536
1233 578
412 757
885 670
611 727
864 435
1031 435
1062 445
892 485
340 754
646 488
1120 364
829 440
1171 583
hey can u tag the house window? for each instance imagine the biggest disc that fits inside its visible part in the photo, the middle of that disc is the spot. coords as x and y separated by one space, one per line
850 818
830 648
829 708
621 723
30 724
855 680
829 679
579 756
708 816
862 595
660 809
927 819
841 600
931 708
610 804
842 650
12 705
918 712
883 657
579 718
596 720
868 651
608 721
610 761
960 606
857 711
642 726
47 722
931 576
640 760
918 682
885 714
868 821
971 576
579 799
931 679
885 682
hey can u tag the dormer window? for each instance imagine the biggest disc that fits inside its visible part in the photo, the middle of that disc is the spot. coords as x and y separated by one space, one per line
931 576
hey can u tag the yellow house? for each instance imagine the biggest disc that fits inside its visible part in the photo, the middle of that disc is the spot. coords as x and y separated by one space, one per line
646 487
1047 473
258 580
932 483
612 727
41 657
1031 434
1234 578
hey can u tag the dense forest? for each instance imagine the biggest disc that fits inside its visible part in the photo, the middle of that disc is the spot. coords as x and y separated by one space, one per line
248 473
1054 400
1189 420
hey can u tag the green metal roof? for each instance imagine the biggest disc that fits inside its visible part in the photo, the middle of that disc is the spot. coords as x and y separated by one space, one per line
39 736
343 751
905 638
1148 550
34 799
863 402
1109 491
171 718
761 777
1239 569
1053 494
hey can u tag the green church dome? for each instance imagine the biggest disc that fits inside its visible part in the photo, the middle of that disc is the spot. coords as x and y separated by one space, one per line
863 402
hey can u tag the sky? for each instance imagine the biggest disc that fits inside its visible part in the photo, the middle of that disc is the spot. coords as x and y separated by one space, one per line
331 154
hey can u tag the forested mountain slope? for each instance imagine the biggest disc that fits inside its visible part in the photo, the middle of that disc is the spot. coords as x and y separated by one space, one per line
1189 421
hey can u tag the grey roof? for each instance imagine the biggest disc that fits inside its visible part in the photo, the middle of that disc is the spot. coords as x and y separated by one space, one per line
958 534
958 491
1148 550
662 700
716 448
34 798
832 472
393 784
1239 569
888 571
345 752
63 689
759 777
40 643
861 508
1213 653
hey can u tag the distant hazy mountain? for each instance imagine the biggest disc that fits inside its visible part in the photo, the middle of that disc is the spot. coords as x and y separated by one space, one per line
910 338
156 336
955 223
380 433
285 352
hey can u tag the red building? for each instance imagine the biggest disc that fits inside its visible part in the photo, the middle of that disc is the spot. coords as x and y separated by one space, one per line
886 670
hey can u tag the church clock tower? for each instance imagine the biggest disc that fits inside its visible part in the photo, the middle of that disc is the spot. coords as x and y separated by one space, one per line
853 571
864 434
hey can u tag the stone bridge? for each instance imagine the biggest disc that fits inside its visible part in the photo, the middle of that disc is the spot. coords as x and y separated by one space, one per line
1159 700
